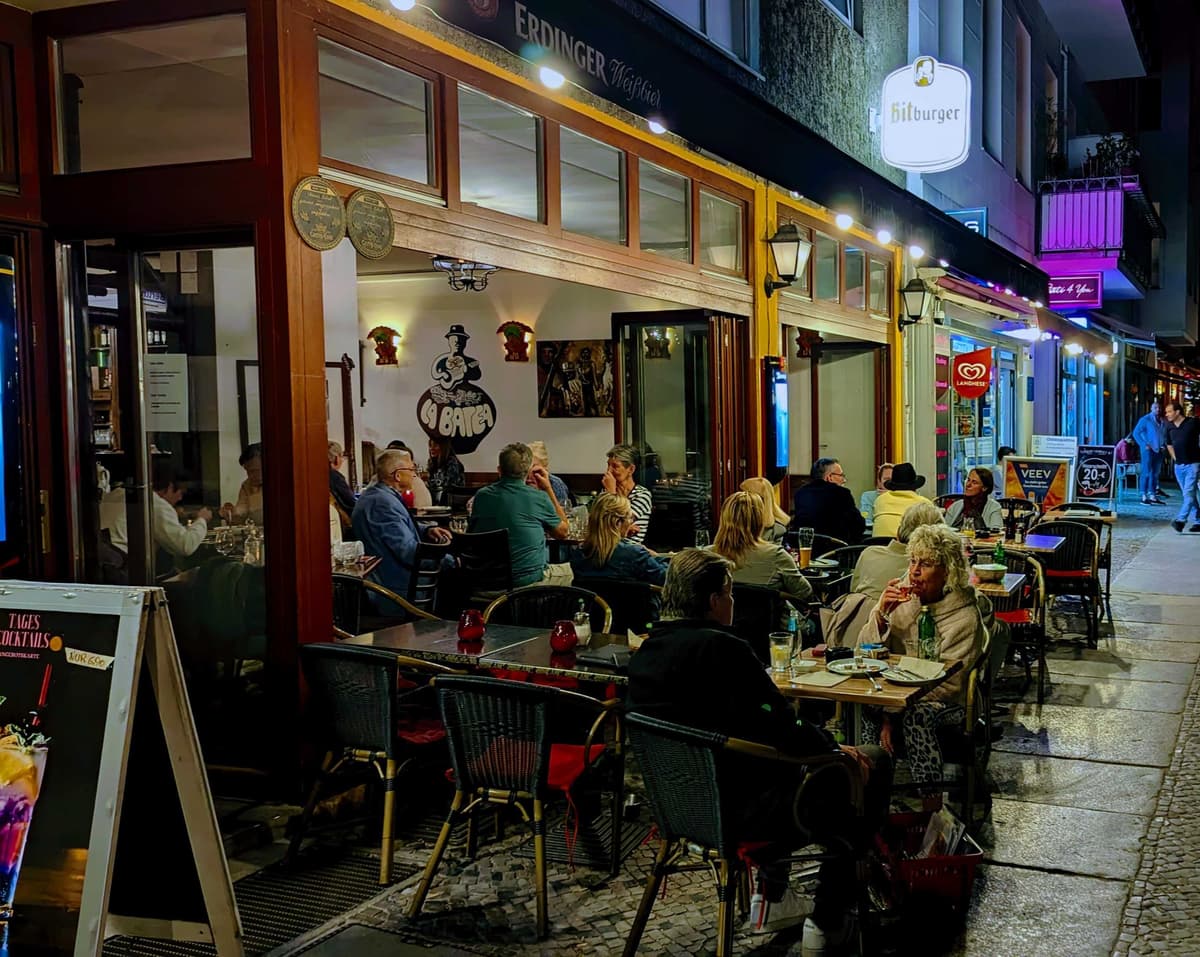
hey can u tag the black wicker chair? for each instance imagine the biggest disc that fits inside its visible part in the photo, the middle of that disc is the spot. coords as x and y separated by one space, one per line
757 611
635 605
365 721
945 501
879 540
823 544
423 581
484 571
1073 570
353 615
681 768
1025 615
502 755
1077 507
1017 505
1104 536
846 556
540 606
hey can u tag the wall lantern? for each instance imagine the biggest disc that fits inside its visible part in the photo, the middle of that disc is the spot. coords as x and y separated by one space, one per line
517 337
658 343
464 273
916 297
387 343
790 252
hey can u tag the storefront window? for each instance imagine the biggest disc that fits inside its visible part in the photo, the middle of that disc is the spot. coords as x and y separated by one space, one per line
1069 419
855 278
593 187
499 155
664 212
880 299
154 96
1091 404
720 233
375 116
825 268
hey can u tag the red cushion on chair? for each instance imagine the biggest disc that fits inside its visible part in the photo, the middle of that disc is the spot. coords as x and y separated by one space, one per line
1020 616
421 731
567 762
1071 573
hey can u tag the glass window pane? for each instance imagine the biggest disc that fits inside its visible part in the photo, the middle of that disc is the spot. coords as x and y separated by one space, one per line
881 300
664 212
374 115
720 233
856 264
593 187
155 96
690 12
825 258
499 155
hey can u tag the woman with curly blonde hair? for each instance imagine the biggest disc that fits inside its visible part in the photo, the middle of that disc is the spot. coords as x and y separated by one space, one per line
755 560
775 519
607 552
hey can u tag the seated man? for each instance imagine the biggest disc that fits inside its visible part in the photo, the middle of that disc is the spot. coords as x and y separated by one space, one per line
170 534
529 514
341 496
249 505
385 528
901 494
693 672
879 564
827 506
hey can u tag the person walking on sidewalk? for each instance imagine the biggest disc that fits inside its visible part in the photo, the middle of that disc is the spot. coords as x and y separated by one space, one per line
1183 442
1151 435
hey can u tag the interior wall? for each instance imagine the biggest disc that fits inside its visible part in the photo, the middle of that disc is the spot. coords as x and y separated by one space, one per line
235 321
846 395
663 391
800 416
422 307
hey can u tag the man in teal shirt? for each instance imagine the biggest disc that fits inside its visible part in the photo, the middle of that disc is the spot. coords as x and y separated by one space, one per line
529 514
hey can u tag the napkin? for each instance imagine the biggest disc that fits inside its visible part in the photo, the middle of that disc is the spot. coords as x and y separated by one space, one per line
921 666
819 679
635 641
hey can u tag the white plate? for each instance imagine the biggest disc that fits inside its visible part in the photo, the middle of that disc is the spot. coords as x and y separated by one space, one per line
846 666
822 563
896 679
434 510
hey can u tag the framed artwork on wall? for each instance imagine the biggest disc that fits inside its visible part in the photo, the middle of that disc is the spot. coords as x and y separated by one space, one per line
575 378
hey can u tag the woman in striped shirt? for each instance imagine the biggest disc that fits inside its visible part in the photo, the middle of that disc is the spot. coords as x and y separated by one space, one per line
623 462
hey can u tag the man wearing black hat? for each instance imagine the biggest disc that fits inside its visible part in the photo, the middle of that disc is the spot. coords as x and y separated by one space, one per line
826 505
901 493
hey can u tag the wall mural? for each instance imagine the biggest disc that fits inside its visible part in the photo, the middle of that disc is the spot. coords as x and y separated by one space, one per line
575 378
453 408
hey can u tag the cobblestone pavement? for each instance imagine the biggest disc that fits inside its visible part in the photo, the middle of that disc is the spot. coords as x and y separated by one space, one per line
1090 844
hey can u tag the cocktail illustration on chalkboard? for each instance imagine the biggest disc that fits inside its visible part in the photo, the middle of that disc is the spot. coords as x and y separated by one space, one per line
22 765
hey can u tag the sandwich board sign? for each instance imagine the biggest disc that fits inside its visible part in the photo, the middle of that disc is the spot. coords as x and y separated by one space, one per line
1048 480
1096 471
106 820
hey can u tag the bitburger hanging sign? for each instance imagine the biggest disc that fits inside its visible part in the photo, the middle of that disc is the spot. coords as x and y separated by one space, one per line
454 408
926 116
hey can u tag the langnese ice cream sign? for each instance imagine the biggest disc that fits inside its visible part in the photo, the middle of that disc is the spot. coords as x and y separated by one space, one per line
926 116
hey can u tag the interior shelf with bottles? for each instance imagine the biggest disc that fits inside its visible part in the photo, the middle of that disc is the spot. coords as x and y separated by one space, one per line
102 370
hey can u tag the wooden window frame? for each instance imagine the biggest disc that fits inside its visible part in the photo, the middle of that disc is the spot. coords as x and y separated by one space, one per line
434 114
743 218
556 205
693 218
10 174
843 288
889 292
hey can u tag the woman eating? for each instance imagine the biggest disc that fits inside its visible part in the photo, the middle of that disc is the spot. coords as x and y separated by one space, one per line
618 479
976 509
755 560
607 552
775 519
932 613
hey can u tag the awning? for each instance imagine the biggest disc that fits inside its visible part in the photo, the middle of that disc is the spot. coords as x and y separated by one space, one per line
1091 340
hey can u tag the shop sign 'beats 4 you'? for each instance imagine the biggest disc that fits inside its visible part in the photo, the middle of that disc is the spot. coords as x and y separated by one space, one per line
926 116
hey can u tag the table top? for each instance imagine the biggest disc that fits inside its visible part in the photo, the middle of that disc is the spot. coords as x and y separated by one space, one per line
1001 589
1058 515
360 569
1034 543
893 697
503 646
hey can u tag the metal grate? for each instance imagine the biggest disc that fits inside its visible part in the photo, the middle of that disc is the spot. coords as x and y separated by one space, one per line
362 941
278 904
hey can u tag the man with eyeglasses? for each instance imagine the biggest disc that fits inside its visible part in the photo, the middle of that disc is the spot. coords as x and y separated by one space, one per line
384 526
826 505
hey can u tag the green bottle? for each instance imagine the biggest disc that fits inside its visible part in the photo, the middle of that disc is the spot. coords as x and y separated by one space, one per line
998 552
927 640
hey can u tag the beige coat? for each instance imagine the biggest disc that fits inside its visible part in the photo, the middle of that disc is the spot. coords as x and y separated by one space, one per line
962 620
878 565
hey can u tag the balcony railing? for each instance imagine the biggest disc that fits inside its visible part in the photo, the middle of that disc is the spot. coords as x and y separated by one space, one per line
1100 216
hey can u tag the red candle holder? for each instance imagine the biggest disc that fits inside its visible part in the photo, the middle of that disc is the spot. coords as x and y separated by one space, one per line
563 637
408 498
471 626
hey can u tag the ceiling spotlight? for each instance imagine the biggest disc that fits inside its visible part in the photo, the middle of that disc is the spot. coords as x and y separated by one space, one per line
843 221
550 77
1008 291
404 5
1038 304
1101 358
990 284
1073 349
884 236
916 252
943 263
656 127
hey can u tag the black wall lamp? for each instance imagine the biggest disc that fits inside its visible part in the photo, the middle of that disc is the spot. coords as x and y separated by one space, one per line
789 252
916 297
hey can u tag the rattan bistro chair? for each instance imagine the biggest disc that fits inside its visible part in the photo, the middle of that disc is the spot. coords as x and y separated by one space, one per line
824 544
681 768
847 557
353 615
373 707
1074 570
1017 505
540 606
635 605
423 580
945 501
501 752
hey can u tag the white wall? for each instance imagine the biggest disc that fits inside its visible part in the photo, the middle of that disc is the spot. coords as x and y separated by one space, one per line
236 328
848 415
663 392
423 307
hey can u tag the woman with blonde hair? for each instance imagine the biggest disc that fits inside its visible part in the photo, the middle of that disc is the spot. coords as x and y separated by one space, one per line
775 519
755 560
607 552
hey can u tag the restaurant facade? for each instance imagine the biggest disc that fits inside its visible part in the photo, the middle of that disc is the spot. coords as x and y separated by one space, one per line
176 321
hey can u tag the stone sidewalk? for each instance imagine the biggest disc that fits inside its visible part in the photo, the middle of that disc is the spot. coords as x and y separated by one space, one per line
1089 849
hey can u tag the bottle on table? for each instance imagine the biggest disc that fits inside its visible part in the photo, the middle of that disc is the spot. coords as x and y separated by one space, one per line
927 640
583 624
998 552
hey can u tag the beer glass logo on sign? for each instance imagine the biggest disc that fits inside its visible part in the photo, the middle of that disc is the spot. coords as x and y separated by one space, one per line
926 113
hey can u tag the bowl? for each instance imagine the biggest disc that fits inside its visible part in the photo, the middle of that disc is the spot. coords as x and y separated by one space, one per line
990 573
805 666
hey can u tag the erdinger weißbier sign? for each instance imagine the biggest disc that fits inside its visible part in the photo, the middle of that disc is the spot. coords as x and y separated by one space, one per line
926 112
972 373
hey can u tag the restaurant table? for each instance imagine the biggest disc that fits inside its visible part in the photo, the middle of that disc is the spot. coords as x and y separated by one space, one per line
360 569
1034 544
510 647
1059 515
1005 588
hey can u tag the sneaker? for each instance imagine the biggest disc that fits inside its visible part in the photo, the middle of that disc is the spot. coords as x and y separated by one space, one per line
1149 501
779 915
1159 493
817 942
1178 526
1195 528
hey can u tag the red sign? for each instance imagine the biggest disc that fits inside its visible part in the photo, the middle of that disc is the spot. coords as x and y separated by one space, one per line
972 373
1076 291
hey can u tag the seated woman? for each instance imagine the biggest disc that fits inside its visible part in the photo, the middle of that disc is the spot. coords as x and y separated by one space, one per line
619 479
932 613
756 561
775 519
976 509
607 552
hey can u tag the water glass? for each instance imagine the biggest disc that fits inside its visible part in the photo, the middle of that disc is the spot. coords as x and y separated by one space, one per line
701 537
458 525
781 651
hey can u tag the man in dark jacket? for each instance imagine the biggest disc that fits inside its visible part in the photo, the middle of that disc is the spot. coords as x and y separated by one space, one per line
827 506
693 672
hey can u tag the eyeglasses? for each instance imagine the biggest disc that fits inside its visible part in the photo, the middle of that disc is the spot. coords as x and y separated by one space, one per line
924 564
839 474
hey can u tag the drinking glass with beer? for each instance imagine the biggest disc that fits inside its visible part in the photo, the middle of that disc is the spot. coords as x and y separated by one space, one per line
805 543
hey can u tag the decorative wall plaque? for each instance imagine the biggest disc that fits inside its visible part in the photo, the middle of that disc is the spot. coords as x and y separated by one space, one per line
369 223
318 213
